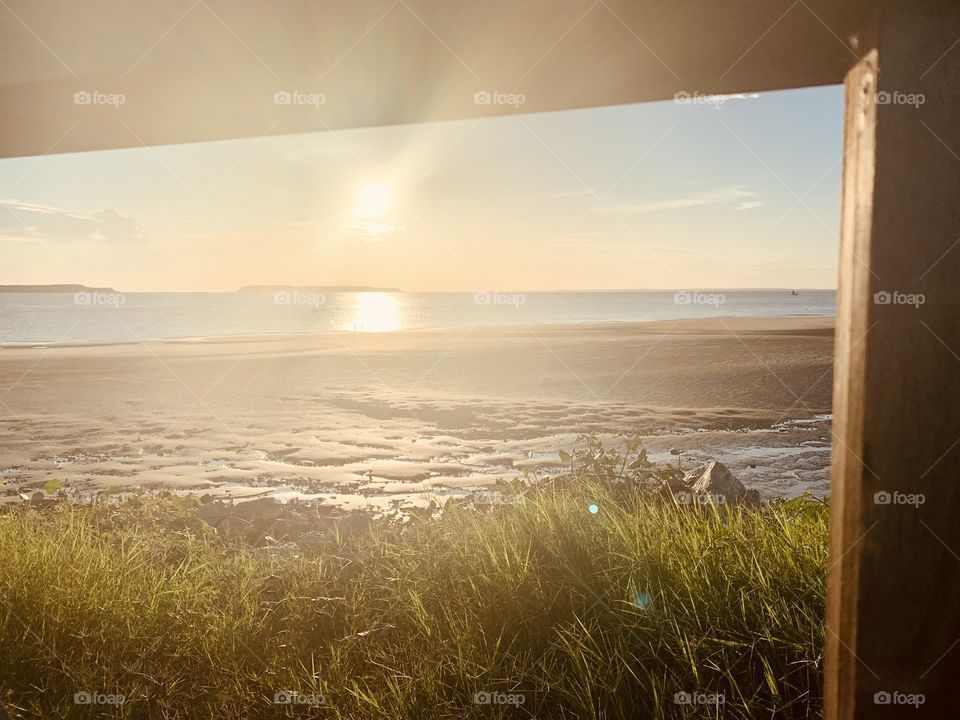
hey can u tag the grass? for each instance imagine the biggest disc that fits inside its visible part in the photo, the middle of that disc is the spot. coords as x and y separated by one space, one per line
603 615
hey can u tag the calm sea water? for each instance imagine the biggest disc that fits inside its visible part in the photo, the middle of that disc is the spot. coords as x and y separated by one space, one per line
62 317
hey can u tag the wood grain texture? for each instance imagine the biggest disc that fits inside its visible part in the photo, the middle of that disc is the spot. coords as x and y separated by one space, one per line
894 584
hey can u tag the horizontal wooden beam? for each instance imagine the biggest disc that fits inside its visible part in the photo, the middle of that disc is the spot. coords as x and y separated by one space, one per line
95 74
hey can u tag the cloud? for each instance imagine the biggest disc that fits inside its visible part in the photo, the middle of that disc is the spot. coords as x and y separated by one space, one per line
587 236
750 205
736 96
769 265
29 220
664 249
720 196
572 193
372 232
309 224
362 230
114 227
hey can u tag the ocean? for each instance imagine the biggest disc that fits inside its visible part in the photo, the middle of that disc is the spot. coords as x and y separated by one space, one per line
38 318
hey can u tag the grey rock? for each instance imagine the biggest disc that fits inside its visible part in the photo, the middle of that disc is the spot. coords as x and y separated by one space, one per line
716 481
311 540
258 510
357 522
675 484
214 512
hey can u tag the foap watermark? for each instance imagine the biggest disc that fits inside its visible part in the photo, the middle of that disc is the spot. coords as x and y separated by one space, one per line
706 100
495 97
696 98
895 697
699 298
900 98
898 498
296 297
499 298
692 498
100 299
85 697
95 97
494 497
895 297
698 698
292 697
296 97
490 697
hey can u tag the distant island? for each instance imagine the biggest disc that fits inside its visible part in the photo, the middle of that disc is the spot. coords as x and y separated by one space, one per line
53 289
316 288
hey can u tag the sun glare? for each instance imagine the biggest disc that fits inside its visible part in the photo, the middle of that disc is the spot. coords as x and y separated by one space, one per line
373 200
375 312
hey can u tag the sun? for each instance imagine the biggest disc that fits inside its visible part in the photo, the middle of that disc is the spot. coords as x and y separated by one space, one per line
373 200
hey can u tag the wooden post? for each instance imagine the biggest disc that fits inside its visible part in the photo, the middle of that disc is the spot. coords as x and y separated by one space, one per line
893 616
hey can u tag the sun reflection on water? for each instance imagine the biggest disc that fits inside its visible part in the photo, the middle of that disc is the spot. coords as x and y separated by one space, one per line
375 312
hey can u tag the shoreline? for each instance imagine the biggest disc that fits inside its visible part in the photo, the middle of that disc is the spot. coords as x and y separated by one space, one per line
369 418
706 325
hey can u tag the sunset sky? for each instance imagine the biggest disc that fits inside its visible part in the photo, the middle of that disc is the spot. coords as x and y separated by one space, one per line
643 196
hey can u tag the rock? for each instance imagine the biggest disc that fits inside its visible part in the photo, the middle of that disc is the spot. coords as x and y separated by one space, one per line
214 512
253 511
716 481
355 523
675 484
752 498
258 510
310 540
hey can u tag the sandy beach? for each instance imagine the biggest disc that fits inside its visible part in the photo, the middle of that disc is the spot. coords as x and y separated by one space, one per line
373 419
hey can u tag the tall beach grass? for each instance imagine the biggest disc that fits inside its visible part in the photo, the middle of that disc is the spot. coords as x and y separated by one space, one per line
608 614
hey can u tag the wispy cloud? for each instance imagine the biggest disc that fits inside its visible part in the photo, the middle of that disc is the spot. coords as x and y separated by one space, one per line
721 196
665 250
29 220
750 205
737 96
579 238
572 193
362 230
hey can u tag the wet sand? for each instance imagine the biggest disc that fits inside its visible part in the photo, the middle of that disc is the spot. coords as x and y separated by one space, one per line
364 419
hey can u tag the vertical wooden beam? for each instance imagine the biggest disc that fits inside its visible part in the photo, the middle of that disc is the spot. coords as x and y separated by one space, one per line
893 616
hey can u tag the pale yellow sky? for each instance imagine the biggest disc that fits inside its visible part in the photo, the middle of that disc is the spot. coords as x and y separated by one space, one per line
648 196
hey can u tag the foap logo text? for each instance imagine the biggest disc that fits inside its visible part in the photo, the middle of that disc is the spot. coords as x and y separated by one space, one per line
499 298
895 497
495 97
296 97
894 697
292 697
297 297
95 97
86 697
685 297
488 697
698 698
895 297
99 299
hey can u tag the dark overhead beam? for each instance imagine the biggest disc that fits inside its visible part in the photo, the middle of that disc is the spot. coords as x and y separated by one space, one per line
210 70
